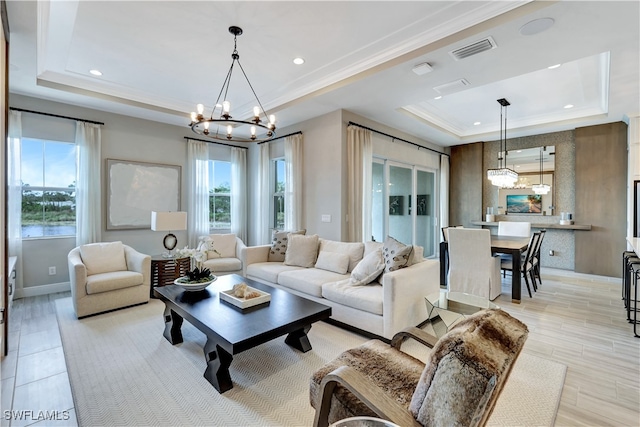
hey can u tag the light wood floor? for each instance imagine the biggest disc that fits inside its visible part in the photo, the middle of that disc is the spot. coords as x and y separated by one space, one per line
578 320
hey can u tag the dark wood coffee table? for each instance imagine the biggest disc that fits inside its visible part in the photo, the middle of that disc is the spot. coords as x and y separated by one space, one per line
231 330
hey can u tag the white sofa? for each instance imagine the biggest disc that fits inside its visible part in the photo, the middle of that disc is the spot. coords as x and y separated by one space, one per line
381 308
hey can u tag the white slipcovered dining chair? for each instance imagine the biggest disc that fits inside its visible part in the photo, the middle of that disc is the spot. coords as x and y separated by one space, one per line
472 267
445 231
514 228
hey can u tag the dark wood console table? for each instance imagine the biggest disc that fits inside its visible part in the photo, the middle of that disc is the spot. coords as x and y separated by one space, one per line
165 270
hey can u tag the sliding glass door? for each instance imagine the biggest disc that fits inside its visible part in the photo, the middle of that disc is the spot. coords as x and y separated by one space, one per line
425 213
404 204
400 195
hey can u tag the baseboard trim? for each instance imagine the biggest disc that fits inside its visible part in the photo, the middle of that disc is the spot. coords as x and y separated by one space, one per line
33 291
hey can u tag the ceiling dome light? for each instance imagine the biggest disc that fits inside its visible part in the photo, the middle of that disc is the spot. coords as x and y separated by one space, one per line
553 67
536 26
298 61
95 72
477 123
438 97
568 106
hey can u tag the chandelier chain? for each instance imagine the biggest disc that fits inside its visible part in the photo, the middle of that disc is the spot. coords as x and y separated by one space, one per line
253 91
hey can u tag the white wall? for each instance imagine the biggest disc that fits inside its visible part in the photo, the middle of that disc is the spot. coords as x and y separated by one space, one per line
323 174
125 138
634 171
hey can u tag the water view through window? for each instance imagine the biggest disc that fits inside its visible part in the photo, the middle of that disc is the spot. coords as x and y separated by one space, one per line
48 173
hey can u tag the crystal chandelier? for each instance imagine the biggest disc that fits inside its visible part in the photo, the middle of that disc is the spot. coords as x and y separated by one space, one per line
502 176
221 125
541 188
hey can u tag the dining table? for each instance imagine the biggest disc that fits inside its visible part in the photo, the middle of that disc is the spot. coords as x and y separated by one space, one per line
510 245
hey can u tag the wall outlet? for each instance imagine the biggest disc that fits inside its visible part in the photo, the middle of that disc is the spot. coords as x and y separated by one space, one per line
52 271
552 253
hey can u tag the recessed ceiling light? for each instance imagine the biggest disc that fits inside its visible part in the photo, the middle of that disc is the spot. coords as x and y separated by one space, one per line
536 26
476 123
438 97
568 106
298 61
95 72
554 66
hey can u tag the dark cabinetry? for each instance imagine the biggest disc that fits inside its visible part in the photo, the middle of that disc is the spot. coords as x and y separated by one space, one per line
165 270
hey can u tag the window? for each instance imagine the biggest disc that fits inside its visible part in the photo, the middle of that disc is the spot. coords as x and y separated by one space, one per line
48 172
277 191
219 195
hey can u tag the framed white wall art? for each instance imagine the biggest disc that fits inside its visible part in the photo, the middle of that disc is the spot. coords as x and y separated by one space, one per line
134 189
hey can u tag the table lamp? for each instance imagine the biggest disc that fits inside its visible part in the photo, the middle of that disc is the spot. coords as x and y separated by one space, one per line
169 221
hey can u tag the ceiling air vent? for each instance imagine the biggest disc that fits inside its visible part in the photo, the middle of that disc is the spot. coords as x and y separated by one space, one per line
473 49
451 87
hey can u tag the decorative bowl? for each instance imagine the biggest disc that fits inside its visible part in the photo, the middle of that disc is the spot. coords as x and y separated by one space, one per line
192 287
229 297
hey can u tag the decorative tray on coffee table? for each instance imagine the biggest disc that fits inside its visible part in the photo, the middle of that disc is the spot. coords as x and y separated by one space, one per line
228 296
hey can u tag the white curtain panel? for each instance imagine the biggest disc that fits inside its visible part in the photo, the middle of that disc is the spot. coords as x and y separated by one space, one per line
359 158
239 192
88 184
14 192
262 228
444 192
293 182
198 185
367 178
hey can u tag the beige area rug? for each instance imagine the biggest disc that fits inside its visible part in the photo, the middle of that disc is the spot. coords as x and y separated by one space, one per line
123 372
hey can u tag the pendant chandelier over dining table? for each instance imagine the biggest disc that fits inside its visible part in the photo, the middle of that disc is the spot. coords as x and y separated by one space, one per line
541 187
502 176
220 125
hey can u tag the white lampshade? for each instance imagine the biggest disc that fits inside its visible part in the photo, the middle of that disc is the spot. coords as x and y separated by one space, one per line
168 221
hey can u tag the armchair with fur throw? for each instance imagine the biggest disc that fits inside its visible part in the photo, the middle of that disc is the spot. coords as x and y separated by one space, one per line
459 385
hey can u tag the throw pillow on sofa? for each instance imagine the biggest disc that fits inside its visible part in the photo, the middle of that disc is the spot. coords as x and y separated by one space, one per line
353 249
279 244
368 269
417 255
396 254
333 261
302 250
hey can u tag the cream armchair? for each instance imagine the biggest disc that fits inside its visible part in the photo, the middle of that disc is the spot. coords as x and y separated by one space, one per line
107 276
225 256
